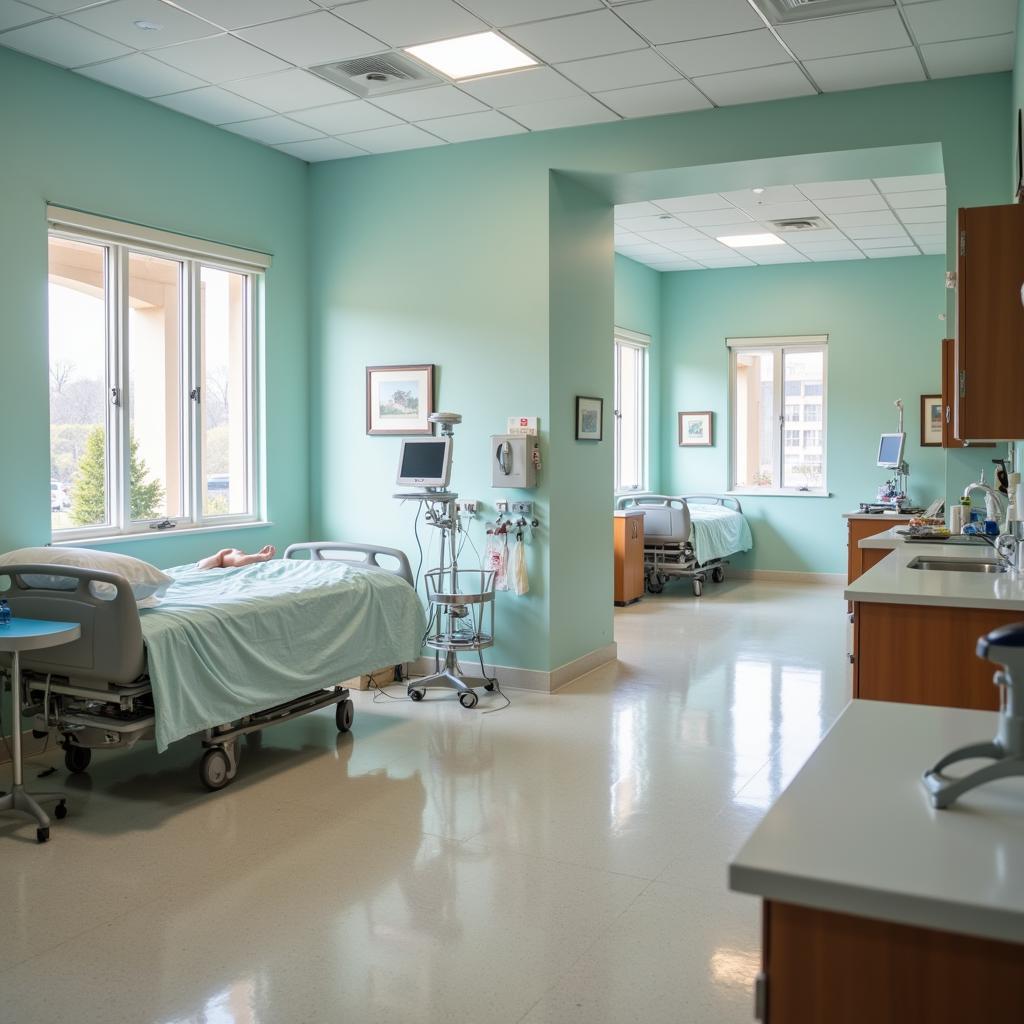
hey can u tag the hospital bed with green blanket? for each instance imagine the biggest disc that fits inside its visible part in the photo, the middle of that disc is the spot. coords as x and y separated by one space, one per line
689 536
226 651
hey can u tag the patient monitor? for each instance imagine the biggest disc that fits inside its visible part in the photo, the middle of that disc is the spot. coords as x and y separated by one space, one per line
890 450
425 462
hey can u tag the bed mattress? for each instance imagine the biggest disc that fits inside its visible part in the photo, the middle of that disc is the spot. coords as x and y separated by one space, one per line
717 532
225 643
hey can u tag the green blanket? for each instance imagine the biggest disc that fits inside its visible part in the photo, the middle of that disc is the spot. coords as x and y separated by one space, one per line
225 643
717 532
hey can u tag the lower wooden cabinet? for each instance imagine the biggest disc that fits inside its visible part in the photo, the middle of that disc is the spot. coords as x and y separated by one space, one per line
629 556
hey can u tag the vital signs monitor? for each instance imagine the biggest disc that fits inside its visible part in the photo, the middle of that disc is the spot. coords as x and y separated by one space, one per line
425 462
890 451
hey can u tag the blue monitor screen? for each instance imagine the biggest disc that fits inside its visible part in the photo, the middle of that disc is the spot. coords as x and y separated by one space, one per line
890 450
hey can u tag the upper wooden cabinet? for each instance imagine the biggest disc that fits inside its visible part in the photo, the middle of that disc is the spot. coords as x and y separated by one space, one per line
989 324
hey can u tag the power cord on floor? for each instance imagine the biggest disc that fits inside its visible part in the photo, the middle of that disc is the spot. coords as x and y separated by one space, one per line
381 694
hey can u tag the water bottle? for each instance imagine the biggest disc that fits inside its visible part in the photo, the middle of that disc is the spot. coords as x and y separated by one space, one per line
5 613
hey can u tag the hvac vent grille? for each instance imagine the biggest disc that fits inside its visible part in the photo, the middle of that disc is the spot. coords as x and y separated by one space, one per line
377 75
791 224
782 12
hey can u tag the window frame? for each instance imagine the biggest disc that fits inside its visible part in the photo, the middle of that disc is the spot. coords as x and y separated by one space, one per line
778 347
192 256
624 338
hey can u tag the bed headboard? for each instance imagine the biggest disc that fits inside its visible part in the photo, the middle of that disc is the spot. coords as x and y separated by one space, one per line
314 551
110 648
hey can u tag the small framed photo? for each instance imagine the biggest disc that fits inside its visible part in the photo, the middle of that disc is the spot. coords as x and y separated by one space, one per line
695 430
931 421
589 418
400 399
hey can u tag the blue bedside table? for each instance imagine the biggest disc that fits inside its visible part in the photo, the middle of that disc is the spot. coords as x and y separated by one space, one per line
29 635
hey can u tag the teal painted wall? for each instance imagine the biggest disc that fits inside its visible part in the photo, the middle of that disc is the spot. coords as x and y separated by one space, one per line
80 144
1018 92
638 308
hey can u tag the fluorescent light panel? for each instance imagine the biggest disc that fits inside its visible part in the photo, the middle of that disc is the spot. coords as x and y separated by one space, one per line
483 53
750 241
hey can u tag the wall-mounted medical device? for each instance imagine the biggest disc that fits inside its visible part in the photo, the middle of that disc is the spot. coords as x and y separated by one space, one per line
513 463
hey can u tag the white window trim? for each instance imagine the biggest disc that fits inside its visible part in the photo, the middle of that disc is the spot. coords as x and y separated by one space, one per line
778 346
141 240
634 339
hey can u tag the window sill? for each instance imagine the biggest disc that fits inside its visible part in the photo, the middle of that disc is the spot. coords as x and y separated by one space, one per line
124 538
770 493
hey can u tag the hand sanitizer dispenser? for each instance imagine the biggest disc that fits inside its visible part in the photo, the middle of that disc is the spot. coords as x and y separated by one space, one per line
512 462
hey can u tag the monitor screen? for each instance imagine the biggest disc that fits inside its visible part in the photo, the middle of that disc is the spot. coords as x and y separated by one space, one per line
890 450
425 463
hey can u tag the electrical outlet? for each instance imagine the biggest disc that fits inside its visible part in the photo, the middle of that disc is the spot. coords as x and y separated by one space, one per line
501 506
522 508
467 506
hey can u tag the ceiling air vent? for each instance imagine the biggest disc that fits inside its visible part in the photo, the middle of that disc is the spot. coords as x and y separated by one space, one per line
790 224
378 75
784 12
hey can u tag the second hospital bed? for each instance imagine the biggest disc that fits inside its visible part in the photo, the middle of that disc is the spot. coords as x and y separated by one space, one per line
689 536
225 653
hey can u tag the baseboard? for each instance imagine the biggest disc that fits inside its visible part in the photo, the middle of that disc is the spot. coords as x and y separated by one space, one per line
830 579
536 680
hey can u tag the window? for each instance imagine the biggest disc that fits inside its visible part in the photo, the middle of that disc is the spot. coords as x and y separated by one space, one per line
630 411
775 384
152 379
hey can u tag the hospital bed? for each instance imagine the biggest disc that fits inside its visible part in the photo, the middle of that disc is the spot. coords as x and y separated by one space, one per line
689 536
225 653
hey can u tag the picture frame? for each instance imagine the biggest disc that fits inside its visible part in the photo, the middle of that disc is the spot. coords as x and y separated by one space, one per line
400 399
931 421
1019 190
696 429
589 418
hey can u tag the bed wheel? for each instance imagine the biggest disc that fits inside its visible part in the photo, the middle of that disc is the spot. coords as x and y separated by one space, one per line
76 759
344 712
60 812
215 769
417 694
491 687
698 588
655 584
468 699
42 835
718 574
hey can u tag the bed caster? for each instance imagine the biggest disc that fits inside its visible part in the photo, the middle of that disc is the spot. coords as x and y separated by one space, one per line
215 769
468 699
60 812
76 759
344 712
491 687
655 584
42 835
698 588
718 574
417 695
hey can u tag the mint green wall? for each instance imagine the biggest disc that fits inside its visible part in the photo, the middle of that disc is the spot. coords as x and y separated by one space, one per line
882 319
80 144
1018 93
638 308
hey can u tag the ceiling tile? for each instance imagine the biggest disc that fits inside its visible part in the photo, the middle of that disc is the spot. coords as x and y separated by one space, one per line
560 113
927 232
969 56
141 74
883 254
212 104
818 236
773 83
342 118
924 215
647 223
289 90
273 131
924 197
777 254
312 39
942 20
850 33
813 248
694 204
831 257
625 210
670 21
936 249
59 6
729 230
670 235
321 149
868 231
13 13
911 183
391 140
233 14
220 59
647 249
60 42
862 218
531 86
576 37
734 52
698 218
489 124
748 199
438 101
627 238
725 262
401 23
660 98
515 12
781 211
851 204
117 20
708 246
838 189
888 242
619 70
866 70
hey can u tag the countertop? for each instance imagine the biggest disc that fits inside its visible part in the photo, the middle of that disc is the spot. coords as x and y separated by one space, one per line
892 538
855 832
895 516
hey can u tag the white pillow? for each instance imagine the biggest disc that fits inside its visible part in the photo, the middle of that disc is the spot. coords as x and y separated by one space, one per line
148 583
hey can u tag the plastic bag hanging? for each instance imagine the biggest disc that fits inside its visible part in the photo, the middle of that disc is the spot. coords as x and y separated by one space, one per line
496 559
519 579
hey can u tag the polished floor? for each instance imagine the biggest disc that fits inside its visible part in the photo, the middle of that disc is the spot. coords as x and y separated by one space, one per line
561 861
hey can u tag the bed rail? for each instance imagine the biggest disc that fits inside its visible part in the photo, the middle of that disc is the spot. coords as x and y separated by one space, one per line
726 500
315 549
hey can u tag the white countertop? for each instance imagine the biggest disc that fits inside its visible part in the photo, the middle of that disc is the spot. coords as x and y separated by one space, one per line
855 832
892 538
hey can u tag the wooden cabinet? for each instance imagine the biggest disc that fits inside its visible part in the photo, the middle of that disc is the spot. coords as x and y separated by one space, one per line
989 324
629 557
949 398
858 561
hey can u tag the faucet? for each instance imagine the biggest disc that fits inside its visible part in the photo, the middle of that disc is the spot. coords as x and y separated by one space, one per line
1001 500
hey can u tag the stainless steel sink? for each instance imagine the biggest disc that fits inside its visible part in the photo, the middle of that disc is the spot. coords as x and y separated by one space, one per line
955 565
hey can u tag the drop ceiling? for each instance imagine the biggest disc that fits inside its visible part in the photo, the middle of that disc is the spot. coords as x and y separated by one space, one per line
240 64
869 218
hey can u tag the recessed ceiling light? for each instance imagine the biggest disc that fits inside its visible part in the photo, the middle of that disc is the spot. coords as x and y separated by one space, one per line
750 241
483 53
148 26
758 191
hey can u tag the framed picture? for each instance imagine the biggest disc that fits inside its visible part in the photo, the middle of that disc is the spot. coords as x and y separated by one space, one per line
695 430
399 399
589 418
931 421
1019 191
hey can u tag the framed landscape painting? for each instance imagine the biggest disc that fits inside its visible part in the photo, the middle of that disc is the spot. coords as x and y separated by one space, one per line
400 399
